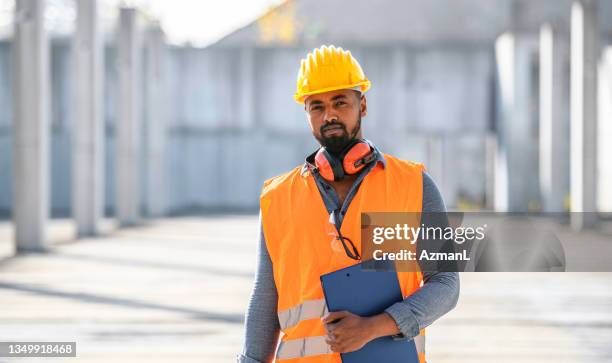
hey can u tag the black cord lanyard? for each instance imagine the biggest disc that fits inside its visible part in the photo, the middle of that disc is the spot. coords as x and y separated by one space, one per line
354 254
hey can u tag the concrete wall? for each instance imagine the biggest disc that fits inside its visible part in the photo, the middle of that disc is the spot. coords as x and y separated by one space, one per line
233 122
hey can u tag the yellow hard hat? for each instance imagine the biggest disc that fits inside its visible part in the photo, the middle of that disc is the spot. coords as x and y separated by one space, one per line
328 69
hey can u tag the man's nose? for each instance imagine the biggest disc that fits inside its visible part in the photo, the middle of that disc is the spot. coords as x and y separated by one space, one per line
330 117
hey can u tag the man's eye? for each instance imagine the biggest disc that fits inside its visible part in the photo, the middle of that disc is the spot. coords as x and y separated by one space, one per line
340 103
316 108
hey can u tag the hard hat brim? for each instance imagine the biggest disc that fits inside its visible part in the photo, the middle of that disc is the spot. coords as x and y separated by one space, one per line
363 85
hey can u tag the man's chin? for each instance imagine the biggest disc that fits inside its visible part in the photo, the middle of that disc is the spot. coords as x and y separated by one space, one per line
335 144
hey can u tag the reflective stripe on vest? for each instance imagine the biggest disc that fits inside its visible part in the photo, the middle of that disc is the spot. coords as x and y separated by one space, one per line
419 341
309 309
299 348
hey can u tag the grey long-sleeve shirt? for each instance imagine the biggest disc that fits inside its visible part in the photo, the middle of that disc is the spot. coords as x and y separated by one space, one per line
437 296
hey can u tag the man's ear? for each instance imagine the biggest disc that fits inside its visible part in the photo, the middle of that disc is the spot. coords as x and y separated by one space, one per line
363 106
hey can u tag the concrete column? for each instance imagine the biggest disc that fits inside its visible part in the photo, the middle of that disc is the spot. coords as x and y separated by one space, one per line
88 121
490 158
128 128
31 125
156 122
604 131
435 166
584 56
246 89
516 165
554 119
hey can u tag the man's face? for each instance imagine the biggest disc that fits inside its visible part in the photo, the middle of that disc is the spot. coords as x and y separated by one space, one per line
335 117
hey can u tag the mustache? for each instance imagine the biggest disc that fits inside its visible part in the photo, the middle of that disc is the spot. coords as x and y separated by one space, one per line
332 124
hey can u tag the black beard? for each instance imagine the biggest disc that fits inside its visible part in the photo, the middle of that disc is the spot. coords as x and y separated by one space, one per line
335 144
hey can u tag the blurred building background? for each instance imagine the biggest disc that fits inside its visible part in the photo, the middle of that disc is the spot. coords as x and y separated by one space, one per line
230 122
115 114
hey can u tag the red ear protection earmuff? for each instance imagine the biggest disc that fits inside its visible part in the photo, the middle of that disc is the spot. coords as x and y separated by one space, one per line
355 156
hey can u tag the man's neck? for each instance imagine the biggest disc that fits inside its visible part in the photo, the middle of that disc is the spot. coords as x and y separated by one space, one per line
343 186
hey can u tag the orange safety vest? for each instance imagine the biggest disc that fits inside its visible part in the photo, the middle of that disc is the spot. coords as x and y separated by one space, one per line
294 221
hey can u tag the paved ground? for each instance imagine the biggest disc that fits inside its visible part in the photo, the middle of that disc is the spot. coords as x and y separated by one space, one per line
175 291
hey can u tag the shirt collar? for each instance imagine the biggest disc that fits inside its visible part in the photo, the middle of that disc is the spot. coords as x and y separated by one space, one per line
381 162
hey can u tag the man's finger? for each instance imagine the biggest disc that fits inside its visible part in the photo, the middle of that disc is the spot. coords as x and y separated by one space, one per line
335 348
333 316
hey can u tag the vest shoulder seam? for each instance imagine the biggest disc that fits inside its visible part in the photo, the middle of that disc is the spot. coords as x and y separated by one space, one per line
404 162
273 182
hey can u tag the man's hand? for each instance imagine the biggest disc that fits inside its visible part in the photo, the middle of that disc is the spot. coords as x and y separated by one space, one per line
347 332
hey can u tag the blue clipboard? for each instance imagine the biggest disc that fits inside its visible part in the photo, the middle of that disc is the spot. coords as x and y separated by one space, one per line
367 293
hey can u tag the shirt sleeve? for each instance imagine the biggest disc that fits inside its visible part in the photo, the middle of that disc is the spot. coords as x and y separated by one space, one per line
440 291
261 321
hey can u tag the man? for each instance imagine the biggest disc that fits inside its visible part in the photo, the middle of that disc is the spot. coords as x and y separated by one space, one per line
310 220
